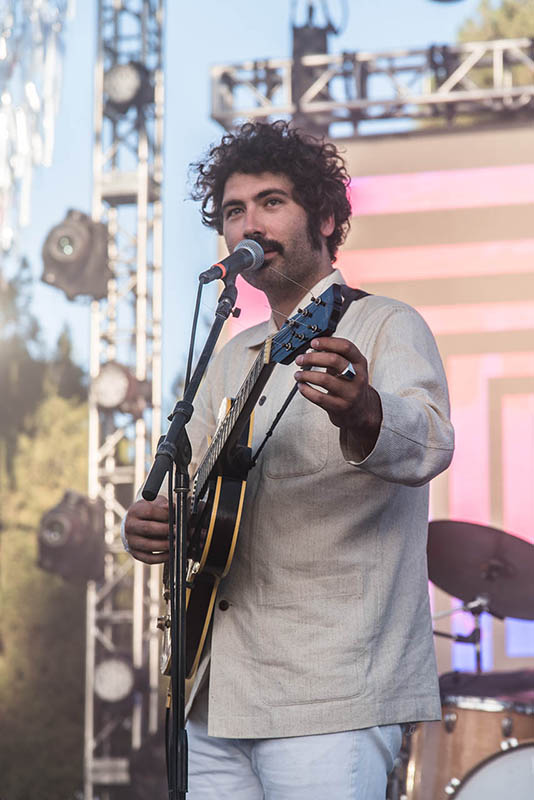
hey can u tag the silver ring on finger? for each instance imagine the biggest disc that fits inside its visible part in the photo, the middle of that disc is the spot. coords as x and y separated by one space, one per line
348 373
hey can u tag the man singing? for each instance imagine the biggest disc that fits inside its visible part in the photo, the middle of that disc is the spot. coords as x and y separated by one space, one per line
321 641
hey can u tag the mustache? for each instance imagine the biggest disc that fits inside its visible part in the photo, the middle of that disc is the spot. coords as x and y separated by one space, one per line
268 244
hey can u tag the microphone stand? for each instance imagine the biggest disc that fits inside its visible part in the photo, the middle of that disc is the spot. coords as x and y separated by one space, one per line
174 452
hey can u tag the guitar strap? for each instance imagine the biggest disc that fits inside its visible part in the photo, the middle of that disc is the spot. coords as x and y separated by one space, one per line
349 296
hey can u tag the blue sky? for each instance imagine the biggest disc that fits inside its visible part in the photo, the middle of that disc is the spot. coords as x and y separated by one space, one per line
198 35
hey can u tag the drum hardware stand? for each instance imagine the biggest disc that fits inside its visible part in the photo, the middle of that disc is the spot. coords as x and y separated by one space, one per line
396 787
476 607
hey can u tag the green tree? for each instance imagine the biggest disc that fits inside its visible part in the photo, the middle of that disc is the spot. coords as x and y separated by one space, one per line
43 451
42 617
22 368
68 379
26 374
509 19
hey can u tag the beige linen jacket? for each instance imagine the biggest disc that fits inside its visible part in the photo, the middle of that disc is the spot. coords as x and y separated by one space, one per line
328 625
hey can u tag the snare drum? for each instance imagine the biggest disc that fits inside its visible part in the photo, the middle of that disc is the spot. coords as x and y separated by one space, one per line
473 729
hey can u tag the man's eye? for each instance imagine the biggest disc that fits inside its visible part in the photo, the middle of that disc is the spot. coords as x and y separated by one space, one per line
232 212
273 201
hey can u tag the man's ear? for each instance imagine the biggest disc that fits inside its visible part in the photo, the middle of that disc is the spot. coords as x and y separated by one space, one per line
327 226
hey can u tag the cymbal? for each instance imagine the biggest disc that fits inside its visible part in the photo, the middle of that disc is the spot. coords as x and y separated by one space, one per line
469 560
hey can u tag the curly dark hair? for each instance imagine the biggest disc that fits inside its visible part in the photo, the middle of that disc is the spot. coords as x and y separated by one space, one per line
316 169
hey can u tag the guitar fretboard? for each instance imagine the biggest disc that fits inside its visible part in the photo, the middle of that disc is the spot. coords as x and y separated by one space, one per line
228 423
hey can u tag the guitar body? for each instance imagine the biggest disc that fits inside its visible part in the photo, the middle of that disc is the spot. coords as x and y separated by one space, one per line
223 511
212 542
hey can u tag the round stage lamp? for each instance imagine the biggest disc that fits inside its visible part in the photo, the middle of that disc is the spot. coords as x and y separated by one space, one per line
114 679
127 85
75 256
116 389
67 247
111 386
55 530
70 539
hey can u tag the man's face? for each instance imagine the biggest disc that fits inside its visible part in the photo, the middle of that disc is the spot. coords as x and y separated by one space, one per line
262 207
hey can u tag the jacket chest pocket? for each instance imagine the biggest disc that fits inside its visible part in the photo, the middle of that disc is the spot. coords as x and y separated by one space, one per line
299 444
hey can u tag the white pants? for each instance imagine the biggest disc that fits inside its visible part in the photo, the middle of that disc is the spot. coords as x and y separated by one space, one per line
352 765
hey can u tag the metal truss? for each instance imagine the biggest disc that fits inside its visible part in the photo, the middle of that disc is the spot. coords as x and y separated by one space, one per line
437 82
125 327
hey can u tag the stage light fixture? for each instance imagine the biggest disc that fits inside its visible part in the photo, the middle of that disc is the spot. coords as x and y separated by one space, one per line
75 256
114 679
127 85
116 389
71 538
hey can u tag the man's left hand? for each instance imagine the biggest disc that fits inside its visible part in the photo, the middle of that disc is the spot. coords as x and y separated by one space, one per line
347 397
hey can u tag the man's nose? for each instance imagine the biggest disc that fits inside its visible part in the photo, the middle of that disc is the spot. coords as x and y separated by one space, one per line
254 225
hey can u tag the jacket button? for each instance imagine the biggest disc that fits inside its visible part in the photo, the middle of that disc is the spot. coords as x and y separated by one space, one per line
224 605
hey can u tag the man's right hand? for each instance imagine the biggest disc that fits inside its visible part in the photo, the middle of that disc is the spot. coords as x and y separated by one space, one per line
146 529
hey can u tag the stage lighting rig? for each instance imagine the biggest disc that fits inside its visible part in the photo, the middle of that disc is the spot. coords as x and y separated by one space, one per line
325 6
75 256
116 389
127 86
308 39
71 538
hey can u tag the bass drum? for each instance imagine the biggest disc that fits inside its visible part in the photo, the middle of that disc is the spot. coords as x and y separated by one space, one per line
472 730
504 775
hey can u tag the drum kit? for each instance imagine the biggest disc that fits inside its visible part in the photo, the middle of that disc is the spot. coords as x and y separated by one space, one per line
483 748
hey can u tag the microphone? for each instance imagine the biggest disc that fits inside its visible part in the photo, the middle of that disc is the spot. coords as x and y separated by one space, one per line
248 255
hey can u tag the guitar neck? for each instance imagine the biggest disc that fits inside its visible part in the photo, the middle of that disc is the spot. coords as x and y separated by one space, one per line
229 431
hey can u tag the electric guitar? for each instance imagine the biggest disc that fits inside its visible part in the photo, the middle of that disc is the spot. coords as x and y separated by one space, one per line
220 481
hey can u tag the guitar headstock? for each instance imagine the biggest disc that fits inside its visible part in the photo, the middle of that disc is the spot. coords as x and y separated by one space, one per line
319 318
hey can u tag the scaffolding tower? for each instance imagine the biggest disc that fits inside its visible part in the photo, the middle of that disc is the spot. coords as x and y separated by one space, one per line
126 330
